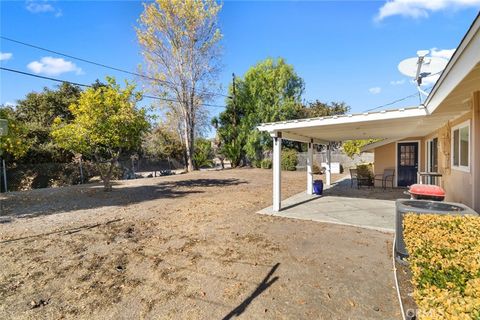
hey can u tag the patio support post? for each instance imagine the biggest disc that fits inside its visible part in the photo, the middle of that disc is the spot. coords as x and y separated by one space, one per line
328 173
310 168
277 170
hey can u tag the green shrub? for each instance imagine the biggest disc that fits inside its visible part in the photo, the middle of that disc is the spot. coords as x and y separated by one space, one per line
203 153
256 163
365 171
289 160
266 163
444 259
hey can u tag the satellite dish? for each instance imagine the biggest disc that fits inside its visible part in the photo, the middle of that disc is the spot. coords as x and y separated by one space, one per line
422 67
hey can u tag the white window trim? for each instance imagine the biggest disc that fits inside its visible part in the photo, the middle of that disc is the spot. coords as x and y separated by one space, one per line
458 127
428 152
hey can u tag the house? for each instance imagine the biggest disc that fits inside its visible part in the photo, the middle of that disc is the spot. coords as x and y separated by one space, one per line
441 135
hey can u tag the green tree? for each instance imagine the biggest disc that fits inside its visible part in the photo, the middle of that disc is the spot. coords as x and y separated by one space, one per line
180 44
37 112
203 153
269 91
320 109
105 122
15 143
163 143
352 147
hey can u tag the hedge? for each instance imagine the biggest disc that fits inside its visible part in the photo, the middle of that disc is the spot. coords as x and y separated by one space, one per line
444 256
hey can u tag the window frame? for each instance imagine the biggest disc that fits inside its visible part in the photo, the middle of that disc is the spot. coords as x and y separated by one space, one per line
459 167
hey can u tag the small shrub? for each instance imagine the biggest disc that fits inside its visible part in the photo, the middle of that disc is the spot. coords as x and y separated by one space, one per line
316 169
266 163
365 171
256 163
289 160
203 153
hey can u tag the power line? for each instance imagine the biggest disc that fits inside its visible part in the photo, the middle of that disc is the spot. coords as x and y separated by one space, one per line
393 102
103 65
89 86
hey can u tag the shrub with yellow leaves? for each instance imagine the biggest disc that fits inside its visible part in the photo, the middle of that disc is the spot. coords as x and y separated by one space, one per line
444 256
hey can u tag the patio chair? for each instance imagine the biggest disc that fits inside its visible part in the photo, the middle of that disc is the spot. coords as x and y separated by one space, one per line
386 176
353 177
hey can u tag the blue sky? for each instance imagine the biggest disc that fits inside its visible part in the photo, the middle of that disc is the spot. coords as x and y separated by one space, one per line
344 50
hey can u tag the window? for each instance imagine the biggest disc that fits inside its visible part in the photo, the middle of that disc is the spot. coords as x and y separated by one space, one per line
432 155
461 146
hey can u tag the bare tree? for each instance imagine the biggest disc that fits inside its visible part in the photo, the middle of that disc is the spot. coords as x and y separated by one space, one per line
180 45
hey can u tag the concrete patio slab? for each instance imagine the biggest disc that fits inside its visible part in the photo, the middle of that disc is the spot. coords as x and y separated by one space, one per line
340 204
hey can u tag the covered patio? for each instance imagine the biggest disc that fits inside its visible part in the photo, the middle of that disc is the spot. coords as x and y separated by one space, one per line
386 125
369 208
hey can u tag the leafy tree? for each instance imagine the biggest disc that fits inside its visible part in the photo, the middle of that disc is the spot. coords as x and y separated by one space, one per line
37 112
14 143
352 147
269 91
203 153
163 143
321 109
105 122
180 44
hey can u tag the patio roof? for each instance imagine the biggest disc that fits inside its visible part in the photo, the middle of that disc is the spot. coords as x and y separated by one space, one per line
385 124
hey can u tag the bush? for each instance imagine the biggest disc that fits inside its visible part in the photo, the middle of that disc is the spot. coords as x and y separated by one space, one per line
289 160
266 163
203 153
445 263
256 163
365 171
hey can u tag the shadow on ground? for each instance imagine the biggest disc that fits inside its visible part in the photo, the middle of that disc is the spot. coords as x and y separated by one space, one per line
264 285
34 203
343 188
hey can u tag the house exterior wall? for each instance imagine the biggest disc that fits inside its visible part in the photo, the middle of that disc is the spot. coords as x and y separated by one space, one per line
386 155
460 186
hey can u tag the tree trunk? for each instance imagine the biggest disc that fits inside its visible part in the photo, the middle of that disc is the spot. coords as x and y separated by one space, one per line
107 178
189 144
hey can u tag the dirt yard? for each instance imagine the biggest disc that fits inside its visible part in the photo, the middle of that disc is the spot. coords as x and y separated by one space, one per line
186 247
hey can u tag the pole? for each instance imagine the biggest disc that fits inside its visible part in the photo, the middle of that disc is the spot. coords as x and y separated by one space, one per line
234 101
329 160
310 168
277 180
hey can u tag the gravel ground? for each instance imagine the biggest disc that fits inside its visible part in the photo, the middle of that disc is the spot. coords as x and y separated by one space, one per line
186 247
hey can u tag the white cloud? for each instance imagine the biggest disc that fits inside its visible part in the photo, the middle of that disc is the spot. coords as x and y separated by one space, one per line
397 82
375 90
42 6
5 56
53 66
421 8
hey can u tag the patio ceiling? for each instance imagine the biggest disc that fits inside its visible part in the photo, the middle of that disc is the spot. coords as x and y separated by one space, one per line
387 124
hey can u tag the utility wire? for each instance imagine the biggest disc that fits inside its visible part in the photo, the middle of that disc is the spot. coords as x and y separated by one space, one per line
89 86
393 102
103 65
